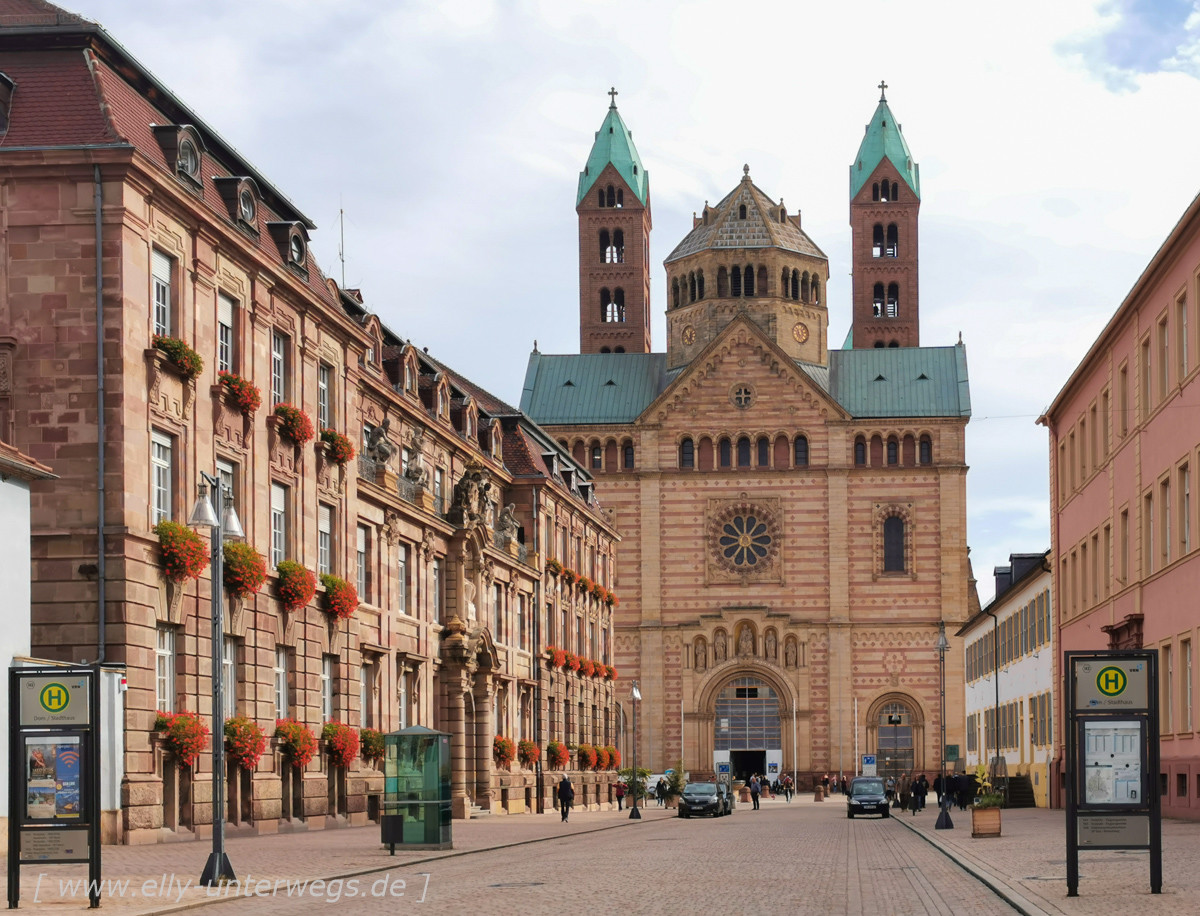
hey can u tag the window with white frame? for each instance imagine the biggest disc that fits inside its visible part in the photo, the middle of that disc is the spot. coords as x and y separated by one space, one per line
1185 656
162 271
324 539
164 669
361 553
162 470
402 699
229 673
368 429
281 682
328 667
439 480
279 523
227 475
402 583
324 381
279 367
225 353
437 588
365 676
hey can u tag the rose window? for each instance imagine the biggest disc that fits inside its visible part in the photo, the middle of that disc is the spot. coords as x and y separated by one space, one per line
744 540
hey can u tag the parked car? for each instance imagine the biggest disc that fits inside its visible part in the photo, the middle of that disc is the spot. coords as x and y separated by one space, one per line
705 798
867 797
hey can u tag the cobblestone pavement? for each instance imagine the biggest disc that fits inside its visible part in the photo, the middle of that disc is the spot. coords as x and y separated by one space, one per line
800 858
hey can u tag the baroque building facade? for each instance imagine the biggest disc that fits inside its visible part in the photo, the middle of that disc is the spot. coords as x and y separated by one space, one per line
792 515
129 221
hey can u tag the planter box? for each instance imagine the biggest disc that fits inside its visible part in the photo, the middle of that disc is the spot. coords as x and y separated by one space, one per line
985 821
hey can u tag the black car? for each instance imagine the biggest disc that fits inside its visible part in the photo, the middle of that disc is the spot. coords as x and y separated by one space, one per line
867 797
704 798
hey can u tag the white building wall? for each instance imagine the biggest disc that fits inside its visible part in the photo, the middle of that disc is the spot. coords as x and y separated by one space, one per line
15 586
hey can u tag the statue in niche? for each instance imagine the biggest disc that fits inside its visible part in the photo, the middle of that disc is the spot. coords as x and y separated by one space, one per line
700 655
746 642
719 646
469 598
770 644
378 446
789 654
416 470
507 525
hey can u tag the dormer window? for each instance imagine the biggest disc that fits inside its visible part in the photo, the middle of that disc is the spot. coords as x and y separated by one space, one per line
182 147
188 163
296 250
293 244
247 208
241 197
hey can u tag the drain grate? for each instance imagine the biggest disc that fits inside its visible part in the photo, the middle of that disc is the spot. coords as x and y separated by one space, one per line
519 884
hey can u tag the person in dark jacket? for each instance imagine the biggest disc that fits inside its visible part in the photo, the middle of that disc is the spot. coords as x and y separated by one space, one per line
755 791
619 793
921 790
566 797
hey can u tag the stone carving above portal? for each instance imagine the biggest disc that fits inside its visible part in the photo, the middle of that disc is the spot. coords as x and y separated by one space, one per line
474 498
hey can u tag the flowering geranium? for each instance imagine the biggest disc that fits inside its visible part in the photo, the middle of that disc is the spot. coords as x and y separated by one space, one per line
184 733
343 742
341 598
504 750
569 576
558 657
294 423
612 600
296 585
553 567
614 757
587 667
602 758
245 394
296 740
184 553
585 584
586 755
339 447
184 358
529 754
372 743
611 673
600 592
573 661
244 569
245 741
557 755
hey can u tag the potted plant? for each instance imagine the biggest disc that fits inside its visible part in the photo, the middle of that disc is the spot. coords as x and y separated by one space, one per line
985 814
569 576
296 741
184 553
529 754
611 673
635 781
182 357
184 734
341 598
585 584
675 784
339 448
244 570
553 567
611 599
245 741
557 755
293 423
296 585
245 394
503 751
372 744
586 757
614 756
587 667
602 758
573 661
343 743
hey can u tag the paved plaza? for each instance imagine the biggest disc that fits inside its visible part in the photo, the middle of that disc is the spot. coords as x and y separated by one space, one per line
802 858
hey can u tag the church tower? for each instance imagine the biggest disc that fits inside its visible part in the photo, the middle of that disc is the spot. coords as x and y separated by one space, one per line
613 204
885 200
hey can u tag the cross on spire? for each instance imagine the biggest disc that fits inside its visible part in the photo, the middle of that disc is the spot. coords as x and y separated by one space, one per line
612 94
882 91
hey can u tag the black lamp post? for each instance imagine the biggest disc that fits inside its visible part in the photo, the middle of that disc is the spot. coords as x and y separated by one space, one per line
894 722
224 524
634 813
943 821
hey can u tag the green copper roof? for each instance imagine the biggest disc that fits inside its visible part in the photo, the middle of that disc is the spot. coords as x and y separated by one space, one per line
883 140
592 387
614 145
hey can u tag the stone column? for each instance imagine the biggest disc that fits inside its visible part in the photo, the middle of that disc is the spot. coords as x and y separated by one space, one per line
484 688
456 714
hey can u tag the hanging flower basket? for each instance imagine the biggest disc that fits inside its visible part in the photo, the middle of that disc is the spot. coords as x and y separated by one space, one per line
245 741
372 744
343 743
587 667
554 567
585 584
341 598
294 424
614 757
572 661
338 447
185 735
296 585
557 755
184 553
183 357
587 757
569 576
529 754
296 741
503 750
558 657
245 394
610 672
244 570
611 599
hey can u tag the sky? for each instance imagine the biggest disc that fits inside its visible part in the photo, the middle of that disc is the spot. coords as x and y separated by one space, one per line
1055 142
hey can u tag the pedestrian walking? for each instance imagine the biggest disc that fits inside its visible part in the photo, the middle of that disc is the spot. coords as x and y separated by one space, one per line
905 791
825 785
920 790
787 789
889 788
937 788
755 791
566 797
660 791
914 797
619 792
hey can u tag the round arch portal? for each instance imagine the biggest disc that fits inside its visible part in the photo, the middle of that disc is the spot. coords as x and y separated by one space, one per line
747 725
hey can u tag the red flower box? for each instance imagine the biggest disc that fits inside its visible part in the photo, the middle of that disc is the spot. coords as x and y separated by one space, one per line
557 755
244 569
245 394
529 754
558 657
371 741
294 423
341 598
183 357
245 741
504 750
296 585
573 661
587 757
296 740
184 553
587 667
340 448
343 743
185 735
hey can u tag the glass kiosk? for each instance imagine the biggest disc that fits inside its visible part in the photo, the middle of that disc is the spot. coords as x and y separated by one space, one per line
416 789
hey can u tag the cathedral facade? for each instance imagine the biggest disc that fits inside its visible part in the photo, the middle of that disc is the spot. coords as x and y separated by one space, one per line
792 515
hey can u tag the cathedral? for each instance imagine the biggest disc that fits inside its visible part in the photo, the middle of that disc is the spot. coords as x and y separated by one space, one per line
792 513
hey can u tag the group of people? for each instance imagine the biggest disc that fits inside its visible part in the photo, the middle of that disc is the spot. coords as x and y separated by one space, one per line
958 789
907 794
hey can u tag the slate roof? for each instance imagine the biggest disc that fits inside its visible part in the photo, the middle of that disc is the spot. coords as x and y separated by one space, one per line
614 146
760 229
883 140
598 388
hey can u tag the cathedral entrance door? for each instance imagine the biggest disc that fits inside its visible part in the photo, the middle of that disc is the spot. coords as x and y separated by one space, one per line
747 725
747 763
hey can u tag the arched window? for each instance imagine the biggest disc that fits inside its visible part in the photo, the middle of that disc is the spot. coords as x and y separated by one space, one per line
762 281
704 455
875 191
611 197
605 299
620 198
726 452
801 451
925 450
743 452
675 293
748 280
893 300
627 457
618 349
597 457
687 454
742 212
877 240
764 452
877 301
893 452
879 345
816 291
795 284
606 249
692 287
600 195
747 715
614 309
860 452
783 214
893 241
804 287
699 284
605 350
893 544
722 283
618 247
883 191
895 741
783 283
735 282
895 191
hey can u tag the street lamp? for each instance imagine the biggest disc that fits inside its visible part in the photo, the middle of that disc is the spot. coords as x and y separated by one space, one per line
943 821
894 721
634 813
224 524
